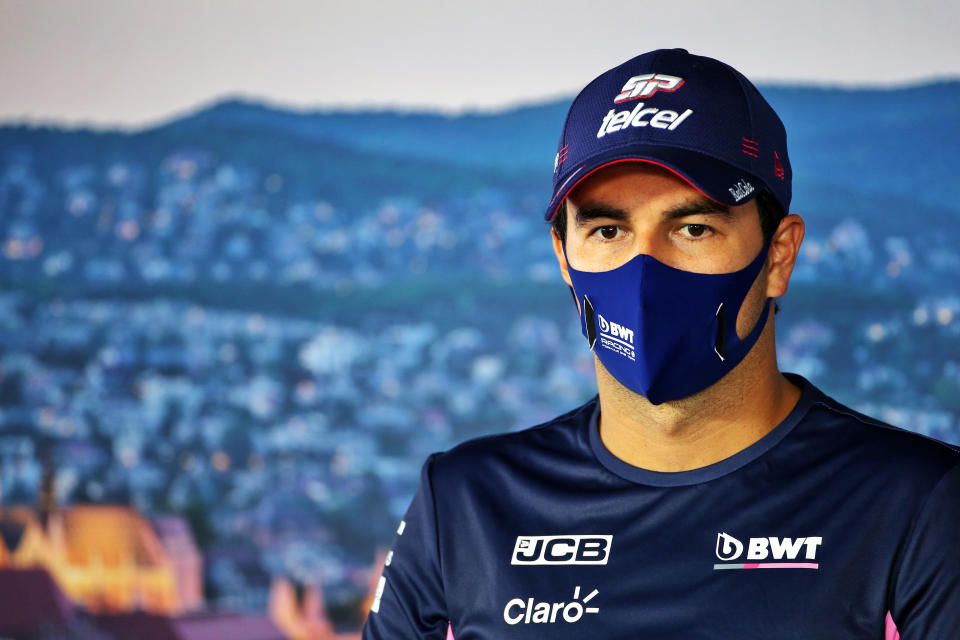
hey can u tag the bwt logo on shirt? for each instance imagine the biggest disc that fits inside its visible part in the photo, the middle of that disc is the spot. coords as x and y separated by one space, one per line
769 548
538 550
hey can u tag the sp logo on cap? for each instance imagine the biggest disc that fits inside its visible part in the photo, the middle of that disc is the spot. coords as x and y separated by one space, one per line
644 86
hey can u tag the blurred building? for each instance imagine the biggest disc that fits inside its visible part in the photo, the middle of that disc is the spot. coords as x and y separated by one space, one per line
109 571
105 572
185 559
299 611
105 558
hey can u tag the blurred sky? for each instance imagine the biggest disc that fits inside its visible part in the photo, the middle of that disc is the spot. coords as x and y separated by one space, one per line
123 62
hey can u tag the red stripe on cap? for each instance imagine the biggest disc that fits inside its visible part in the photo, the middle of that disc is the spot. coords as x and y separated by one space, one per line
653 162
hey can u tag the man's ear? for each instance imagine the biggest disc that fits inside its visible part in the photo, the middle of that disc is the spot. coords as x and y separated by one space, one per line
784 247
561 260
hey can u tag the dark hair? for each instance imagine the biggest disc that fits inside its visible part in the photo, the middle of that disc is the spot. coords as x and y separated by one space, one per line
768 207
771 213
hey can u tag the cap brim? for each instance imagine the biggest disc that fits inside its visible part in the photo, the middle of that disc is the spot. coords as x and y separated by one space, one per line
713 178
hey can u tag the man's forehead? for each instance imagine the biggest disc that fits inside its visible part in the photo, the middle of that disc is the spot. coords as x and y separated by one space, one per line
624 182
683 205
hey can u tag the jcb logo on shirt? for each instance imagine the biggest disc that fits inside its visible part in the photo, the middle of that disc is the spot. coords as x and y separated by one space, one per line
565 549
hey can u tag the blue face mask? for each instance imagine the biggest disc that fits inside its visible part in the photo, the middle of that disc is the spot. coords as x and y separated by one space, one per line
662 332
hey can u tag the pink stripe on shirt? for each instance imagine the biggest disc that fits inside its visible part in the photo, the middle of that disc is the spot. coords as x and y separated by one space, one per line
891 634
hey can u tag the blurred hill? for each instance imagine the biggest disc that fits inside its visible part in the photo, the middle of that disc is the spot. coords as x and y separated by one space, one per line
885 142
866 142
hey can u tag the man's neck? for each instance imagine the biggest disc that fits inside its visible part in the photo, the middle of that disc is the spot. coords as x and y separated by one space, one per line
705 428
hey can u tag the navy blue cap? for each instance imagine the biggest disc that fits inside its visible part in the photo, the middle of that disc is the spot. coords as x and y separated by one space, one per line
695 116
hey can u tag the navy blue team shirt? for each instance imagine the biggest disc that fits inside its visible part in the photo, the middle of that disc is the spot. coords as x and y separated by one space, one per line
832 526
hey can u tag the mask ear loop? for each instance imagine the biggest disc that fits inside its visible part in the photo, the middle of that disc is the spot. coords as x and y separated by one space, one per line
589 321
720 345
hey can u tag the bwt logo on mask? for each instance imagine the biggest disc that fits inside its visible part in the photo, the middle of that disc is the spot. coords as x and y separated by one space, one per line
615 330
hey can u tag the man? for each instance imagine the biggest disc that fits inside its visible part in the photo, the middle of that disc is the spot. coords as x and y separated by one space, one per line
703 494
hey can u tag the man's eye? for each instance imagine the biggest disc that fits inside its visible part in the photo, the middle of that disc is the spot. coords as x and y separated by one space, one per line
608 232
695 230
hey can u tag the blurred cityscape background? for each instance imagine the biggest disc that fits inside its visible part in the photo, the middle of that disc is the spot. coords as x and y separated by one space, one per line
228 342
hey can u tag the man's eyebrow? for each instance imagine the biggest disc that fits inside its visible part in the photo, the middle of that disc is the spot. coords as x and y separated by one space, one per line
703 206
592 211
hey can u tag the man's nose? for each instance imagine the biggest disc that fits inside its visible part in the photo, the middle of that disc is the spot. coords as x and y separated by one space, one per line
646 242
